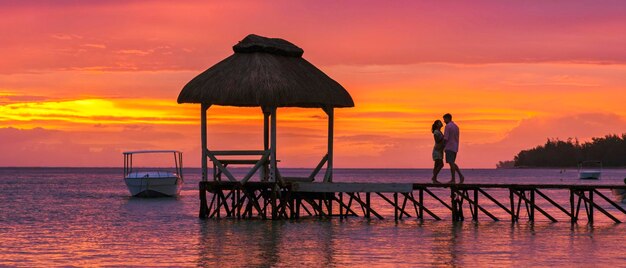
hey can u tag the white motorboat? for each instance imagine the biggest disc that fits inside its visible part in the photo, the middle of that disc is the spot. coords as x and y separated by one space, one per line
153 182
590 170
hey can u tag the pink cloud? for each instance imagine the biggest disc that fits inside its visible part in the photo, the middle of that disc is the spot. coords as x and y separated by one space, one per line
199 33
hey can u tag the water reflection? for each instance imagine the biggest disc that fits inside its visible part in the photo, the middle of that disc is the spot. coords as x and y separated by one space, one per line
67 219
264 243
362 242
443 244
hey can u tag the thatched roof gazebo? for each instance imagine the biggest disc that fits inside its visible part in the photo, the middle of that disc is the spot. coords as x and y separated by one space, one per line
267 73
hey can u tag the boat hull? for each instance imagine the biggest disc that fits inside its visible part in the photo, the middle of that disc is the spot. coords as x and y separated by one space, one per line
590 175
154 187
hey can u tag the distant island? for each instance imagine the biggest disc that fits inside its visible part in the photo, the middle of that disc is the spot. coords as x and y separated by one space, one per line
610 149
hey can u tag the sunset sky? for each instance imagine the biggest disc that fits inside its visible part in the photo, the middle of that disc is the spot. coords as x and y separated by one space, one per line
82 81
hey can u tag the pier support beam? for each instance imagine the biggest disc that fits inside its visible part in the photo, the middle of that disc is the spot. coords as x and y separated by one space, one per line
271 200
585 196
457 205
526 196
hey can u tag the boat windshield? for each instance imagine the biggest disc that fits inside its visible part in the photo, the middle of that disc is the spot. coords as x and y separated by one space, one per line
165 161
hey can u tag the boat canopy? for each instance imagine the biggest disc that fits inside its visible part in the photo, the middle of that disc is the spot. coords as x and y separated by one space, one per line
151 152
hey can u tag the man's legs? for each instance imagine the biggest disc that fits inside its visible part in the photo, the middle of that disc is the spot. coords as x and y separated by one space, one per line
452 170
454 167
451 159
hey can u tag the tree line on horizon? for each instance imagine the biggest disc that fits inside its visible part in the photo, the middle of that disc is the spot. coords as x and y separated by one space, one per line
610 150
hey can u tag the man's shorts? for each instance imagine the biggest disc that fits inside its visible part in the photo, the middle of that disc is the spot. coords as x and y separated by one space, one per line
450 157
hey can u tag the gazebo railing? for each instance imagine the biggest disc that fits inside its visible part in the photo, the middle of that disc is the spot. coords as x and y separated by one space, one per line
221 164
319 167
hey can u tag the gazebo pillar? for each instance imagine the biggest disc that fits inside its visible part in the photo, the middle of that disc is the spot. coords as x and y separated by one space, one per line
273 168
203 137
204 209
266 140
330 111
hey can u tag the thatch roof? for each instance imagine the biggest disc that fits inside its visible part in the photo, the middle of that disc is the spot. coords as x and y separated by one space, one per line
265 72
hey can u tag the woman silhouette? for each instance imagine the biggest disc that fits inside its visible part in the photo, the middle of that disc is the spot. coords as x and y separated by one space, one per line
437 149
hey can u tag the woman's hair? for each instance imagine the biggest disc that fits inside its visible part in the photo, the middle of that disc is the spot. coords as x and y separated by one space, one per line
436 125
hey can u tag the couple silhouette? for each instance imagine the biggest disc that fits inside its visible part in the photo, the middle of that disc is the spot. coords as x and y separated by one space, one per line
448 143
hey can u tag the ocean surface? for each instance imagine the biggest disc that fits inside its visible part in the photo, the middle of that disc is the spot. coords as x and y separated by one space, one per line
85 217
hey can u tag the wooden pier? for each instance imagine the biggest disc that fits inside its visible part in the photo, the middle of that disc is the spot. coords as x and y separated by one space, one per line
270 73
293 200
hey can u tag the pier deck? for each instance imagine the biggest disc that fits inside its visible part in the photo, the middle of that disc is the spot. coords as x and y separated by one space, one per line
292 200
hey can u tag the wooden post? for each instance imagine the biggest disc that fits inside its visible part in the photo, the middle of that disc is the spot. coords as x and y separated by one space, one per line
273 172
368 205
421 207
571 204
330 111
292 206
204 210
475 212
218 206
395 209
273 168
340 205
233 203
453 203
273 203
591 204
459 212
239 203
266 140
532 205
203 137
512 200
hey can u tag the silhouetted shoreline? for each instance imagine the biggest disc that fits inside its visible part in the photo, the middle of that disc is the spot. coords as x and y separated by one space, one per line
555 153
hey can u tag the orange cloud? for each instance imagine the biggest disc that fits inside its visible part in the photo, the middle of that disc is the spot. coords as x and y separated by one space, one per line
108 80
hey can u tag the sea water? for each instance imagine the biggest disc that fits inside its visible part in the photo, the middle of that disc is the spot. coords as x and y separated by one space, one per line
85 217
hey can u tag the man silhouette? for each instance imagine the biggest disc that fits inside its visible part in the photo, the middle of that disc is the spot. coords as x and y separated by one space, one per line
451 139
